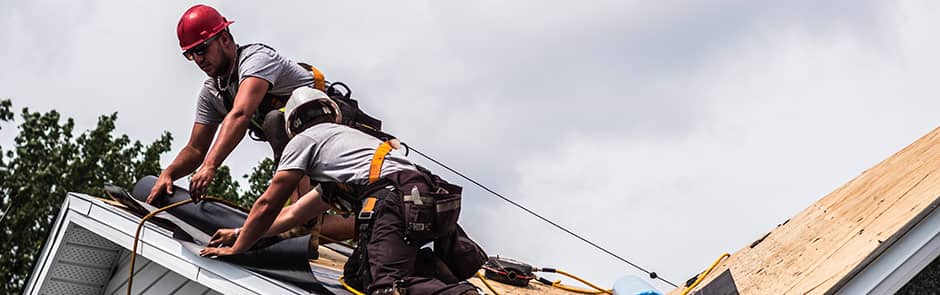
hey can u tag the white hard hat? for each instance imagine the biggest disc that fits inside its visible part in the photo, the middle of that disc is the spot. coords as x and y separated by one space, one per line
301 97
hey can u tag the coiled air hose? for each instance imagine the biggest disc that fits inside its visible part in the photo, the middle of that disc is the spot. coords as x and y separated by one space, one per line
557 283
140 226
704 274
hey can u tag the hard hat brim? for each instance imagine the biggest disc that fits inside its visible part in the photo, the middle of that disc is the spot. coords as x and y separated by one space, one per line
217 30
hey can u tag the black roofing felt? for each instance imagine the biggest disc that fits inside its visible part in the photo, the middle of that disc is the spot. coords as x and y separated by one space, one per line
285 260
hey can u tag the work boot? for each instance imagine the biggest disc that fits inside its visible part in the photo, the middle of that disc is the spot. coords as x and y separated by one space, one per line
429 265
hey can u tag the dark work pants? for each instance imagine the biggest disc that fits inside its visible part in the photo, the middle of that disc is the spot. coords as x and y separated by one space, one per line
391 258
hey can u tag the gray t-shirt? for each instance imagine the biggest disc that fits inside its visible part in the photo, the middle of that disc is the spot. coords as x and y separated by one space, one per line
254 60
336 153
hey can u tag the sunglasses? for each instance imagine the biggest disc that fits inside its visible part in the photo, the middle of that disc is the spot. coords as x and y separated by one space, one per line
200 49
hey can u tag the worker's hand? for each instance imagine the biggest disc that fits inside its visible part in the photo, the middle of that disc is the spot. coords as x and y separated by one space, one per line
213 252
163 185
200 182
223 237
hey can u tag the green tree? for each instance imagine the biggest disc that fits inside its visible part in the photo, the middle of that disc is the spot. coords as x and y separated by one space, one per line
258 180
223 186
46 162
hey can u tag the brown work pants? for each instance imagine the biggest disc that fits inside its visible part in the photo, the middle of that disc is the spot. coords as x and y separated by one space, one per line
386 260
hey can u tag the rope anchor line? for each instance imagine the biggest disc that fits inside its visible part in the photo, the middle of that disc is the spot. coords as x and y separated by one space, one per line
652 274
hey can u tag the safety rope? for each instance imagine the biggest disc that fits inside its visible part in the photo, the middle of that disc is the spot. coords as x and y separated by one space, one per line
652 274
702 276
140 226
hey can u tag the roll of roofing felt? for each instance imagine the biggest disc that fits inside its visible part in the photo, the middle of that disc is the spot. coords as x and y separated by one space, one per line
193 224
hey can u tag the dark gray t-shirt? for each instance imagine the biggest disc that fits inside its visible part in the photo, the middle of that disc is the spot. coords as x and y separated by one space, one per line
254 60
336 153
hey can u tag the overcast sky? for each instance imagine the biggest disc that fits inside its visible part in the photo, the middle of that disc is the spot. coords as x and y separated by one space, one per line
668 132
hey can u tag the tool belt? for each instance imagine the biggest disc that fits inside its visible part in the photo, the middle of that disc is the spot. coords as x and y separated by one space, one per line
430 205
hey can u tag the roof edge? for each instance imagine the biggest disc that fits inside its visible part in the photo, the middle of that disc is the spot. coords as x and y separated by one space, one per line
880 269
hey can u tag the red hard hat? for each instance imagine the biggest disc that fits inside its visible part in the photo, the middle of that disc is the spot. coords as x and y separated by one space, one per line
199 23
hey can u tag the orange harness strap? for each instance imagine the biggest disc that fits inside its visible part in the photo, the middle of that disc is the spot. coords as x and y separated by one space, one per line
319 80
375 170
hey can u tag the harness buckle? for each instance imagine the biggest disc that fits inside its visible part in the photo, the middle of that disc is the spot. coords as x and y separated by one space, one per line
368 208
416 195
415 226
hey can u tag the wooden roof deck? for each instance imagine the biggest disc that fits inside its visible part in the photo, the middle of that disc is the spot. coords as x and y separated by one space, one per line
824 246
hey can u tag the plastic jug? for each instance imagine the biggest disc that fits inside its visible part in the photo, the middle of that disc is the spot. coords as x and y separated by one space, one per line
632 285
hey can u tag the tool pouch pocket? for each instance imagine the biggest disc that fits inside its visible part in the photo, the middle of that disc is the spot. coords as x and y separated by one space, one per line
429 215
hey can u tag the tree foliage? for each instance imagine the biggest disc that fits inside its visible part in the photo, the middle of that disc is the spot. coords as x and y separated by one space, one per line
47 161
258 180
223 186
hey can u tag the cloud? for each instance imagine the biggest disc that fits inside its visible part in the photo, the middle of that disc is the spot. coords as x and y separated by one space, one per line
785 121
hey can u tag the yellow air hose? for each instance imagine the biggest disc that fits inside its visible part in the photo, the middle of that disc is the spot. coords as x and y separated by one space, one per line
140 225
557 283
348 287
599 289
488 286
702 276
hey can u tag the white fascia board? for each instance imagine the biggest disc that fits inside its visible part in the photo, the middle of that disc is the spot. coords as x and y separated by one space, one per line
157 245
40 266
901 261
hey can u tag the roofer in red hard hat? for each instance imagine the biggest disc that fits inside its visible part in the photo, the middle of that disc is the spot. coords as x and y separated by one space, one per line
246 88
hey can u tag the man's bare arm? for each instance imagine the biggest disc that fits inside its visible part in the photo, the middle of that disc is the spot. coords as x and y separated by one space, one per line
250 93
308 207
186 160
264 211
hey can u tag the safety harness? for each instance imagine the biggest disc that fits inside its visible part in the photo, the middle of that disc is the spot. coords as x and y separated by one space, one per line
375 171
429 213
339 92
